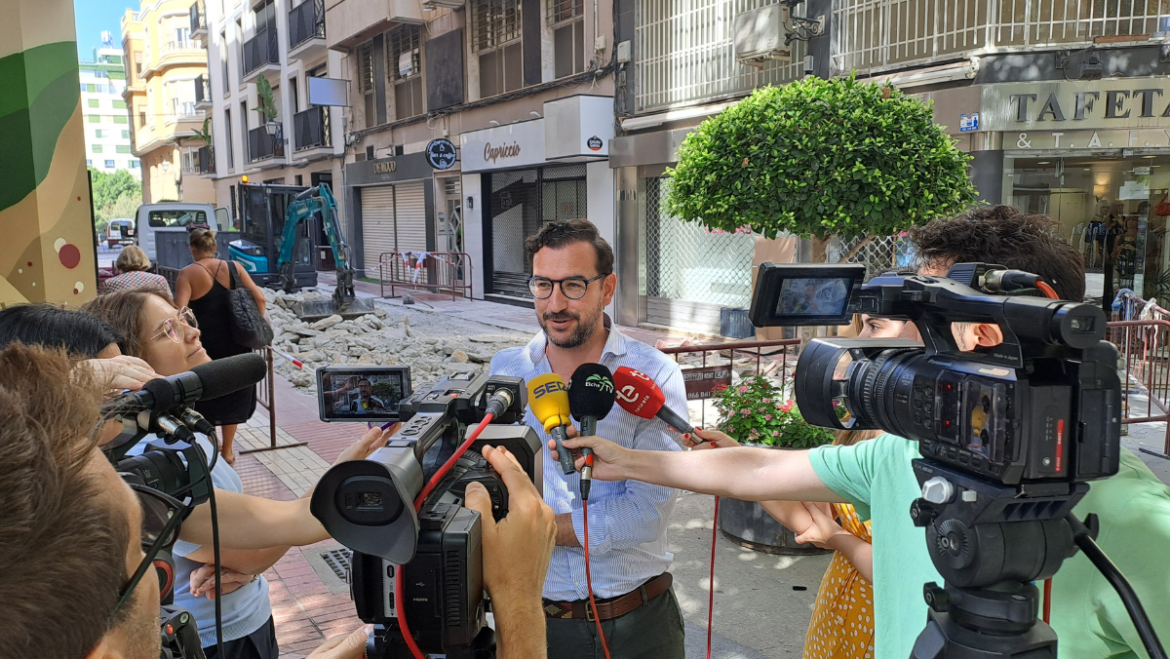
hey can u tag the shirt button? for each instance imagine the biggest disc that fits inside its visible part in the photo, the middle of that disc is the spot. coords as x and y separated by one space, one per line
576 583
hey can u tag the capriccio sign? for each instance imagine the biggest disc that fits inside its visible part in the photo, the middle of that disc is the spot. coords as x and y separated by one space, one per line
503 151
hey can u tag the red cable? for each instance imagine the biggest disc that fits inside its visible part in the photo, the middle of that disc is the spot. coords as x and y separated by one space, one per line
711 594
399 581
1047 290
1047 599
589 578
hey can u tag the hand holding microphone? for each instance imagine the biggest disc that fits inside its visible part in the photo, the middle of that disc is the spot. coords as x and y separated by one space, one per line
591 397
549 400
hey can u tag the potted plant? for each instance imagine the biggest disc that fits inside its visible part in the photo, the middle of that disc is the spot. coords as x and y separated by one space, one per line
756 413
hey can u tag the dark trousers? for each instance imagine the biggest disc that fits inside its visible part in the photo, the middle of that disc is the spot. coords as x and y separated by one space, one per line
651 631
260 644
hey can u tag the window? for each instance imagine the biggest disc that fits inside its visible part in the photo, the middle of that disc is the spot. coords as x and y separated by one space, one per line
119 105
135 164
138 65
123 148
110 164
227 119
92 102
114 59
176 218
365 64
495 37
94 118
97 134
88 163
91 88
190 162
567 20
141 118
120 119
404 65
96 148
125 134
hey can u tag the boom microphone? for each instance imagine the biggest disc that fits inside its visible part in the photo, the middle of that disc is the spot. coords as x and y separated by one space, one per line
640 396
211 380
591 396
549 401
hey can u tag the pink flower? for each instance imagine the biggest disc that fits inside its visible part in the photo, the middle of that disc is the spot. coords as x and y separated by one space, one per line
730 428
767 400
761 410
743 389
775 433
786 409
755 434
767 417
745 411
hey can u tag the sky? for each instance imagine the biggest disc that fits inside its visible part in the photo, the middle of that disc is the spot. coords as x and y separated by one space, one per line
93 16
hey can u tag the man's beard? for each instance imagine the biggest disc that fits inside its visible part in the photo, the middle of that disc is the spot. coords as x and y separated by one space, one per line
141 628
580 336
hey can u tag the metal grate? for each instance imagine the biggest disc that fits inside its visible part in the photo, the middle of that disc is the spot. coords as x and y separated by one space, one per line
686 261
338 560
685 53
403 39
494 23
878 255
563 11
366 68
516 214
876 35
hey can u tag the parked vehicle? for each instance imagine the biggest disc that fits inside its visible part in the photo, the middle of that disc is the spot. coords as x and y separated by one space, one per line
120 232
163 229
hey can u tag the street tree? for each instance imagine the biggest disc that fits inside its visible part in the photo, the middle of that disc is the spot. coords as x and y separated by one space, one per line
820 158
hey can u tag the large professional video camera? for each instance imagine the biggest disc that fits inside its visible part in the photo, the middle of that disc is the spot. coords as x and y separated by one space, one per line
1009 435
369 506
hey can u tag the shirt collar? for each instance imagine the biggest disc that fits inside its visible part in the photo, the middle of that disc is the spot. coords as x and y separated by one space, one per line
615 344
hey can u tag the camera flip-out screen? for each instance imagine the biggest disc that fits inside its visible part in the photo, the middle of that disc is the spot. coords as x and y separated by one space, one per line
367 393
805 294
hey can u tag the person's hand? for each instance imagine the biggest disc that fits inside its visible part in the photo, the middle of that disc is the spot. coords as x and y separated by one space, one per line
374 439
608 458
203 581
824 528
121 372
707 439
517 549
344 646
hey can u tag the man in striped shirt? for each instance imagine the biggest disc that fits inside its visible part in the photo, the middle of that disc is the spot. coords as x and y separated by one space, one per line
572 282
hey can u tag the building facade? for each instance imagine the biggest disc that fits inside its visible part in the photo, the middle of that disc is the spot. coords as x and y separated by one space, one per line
107 119
162 64
282 42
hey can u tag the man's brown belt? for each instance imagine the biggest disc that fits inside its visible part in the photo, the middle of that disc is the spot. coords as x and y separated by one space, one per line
615 607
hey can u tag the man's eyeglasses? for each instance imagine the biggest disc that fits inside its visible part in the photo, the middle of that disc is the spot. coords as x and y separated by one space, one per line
573 288
173 330
161 516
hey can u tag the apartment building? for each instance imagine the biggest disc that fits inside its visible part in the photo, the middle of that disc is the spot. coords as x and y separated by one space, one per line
283 43
469 126
107 120
1061 103
162 63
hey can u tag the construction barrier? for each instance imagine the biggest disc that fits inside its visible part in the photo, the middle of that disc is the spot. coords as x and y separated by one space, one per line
434 272
1141 331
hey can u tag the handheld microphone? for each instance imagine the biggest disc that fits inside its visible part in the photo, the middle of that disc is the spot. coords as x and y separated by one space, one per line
204 382
591 397
640 396
549 401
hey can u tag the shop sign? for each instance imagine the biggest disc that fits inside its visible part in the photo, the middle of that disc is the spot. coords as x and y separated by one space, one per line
506 147
441 154
700 383
385 167
1076 105
1086 139
968 122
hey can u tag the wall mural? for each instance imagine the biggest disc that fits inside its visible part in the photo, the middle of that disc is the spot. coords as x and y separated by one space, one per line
46 230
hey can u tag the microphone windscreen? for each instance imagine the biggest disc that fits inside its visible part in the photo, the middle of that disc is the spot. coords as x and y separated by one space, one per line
591 391
637 393
549 400
230 374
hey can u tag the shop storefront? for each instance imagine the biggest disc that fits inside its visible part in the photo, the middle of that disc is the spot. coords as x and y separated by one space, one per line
393 199
529 174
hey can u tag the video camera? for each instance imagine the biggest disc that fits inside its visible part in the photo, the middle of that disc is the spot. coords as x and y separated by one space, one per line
1009 434
368 505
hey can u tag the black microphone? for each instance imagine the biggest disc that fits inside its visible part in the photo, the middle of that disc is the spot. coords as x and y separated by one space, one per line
204 382
591 397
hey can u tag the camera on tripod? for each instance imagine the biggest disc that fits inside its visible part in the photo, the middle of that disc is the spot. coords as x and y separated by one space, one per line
368 506
1009 434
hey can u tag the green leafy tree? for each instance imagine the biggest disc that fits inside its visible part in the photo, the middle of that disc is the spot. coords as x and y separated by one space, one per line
820 158
267 104
109 188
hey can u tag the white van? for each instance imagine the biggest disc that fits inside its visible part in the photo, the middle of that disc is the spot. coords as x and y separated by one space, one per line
175 217
114 232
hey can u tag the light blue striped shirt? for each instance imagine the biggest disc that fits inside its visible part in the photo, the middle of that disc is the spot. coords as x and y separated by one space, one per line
627 519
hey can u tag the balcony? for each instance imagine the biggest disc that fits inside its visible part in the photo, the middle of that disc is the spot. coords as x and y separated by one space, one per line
306 30
311 133
199 23
874 37
202 93
262 146
261 54
206 160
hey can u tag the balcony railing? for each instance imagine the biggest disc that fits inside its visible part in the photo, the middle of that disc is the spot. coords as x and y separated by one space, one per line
180 44
262 146
311 128
261 49
306 21
198 17
202 90
870 36
206 156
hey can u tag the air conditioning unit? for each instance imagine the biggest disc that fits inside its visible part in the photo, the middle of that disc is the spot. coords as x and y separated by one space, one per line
760 35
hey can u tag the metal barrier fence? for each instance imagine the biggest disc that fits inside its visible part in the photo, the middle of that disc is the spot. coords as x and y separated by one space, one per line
1144 344
702 371
437 272
266 398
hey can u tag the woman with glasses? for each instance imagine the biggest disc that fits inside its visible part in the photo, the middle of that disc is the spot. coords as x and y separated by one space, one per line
204 288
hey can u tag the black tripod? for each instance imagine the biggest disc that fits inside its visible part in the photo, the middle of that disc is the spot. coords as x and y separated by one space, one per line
387 643
990 542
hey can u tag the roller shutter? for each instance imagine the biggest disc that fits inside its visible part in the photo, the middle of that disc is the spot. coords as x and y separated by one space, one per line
411 213
378 232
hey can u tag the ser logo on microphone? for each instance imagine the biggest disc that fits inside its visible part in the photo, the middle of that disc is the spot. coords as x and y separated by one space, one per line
599 381
548 388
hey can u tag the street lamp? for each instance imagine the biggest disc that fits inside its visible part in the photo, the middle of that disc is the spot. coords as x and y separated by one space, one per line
272 127
166 166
